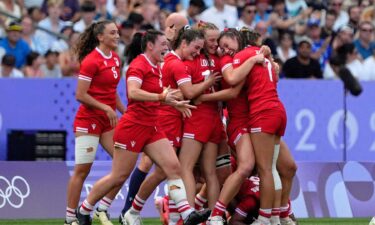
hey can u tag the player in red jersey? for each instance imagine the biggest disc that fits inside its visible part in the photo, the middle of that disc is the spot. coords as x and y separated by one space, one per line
267 122
137 130
173 23
96 117
169 118
204 129
237 126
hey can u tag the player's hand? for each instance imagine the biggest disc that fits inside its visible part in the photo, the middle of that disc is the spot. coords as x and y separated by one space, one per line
214 78
184 107
258 58
112 116
265 50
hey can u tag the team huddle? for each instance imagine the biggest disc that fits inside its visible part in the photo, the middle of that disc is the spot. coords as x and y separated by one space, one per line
203 107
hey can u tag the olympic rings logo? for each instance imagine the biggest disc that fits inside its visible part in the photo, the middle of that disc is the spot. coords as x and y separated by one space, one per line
16 200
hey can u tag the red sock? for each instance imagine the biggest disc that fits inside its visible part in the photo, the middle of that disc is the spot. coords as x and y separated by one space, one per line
219 209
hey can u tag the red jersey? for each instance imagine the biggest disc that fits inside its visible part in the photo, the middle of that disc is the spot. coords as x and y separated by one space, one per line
103 73
261 82
174 74
238 108
143 71
199 69
249 187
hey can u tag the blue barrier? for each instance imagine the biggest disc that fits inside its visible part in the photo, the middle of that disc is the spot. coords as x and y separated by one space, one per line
314 108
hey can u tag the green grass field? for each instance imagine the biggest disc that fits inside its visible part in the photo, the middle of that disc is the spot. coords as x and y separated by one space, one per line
358 221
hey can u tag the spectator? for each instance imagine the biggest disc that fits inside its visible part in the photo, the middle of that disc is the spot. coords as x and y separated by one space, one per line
344 36
195 8
342 16
62 44
68 59
88 12
33 62
248 16
126 35
11 7
262 13
369 65
52 23
36 14
302 65
7 68
150 14
121 11
51 68
261 28
365 42
327 29
14 44
102 12
28 32
295 7
354 13
368 14
321 50
69 9
221 14
136 19
163 15
279 18
348 56
169 5
285 49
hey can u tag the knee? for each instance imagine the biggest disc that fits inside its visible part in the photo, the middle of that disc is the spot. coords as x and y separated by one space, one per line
81 174
289 170
173 169
119 179
245 170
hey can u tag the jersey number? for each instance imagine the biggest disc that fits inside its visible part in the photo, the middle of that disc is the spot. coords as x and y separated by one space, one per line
269 68
115 75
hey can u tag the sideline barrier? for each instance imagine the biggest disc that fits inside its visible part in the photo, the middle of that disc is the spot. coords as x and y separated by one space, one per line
38 189
314 107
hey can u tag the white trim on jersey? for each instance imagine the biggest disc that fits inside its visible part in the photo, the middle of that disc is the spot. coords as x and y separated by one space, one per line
189 135
149 61
183 80
102 53
225 67
137 79
85 78
174 53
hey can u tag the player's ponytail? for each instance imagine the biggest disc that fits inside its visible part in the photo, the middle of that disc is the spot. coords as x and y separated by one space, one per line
250 37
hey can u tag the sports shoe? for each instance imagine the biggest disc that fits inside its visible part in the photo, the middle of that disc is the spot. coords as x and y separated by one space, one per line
103 217
215 220
288 221
197 217
75 222
83 219
372 222
131 219
258 222
275 220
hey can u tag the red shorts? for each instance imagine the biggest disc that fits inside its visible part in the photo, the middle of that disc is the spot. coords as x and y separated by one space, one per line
92 124
235 129
172 128
270 121
204 128
134 137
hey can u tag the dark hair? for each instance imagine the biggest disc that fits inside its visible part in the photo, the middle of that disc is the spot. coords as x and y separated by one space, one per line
344 50
139 43
31 57
187 34
197 3
250 37
234 34
331 12
8 60
135 18
88 40
88 6
284 33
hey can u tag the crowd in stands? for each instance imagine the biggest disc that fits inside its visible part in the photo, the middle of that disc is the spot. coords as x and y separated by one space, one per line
37 36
